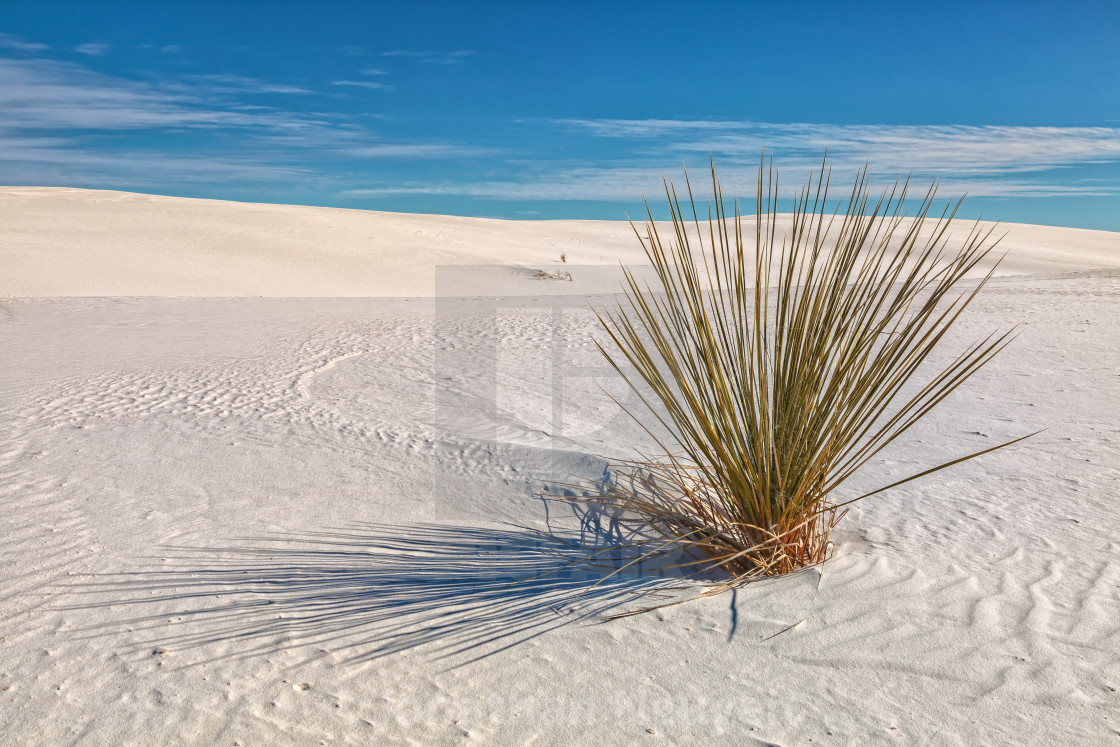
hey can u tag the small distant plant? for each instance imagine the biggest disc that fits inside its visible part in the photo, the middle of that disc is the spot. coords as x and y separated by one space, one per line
546 275
563 257
780 370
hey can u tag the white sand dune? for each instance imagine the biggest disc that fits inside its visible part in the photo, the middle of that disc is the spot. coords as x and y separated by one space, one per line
295 520
79 242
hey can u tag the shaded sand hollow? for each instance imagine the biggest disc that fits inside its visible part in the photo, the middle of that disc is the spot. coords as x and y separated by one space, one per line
268 473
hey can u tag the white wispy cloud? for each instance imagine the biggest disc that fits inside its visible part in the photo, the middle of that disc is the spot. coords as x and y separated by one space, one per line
93 49
605 184
47 94
16 44
41 95
978 160
630 185
418 150
372 85
929 149
229 83
44 161
169 48
647 128
60 123
450 59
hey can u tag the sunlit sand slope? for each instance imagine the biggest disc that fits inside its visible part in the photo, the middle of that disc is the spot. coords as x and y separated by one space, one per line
75 242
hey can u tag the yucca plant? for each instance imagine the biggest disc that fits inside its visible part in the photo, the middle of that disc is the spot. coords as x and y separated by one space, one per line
777 371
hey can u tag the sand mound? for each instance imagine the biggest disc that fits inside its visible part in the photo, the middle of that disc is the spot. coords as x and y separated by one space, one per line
77 242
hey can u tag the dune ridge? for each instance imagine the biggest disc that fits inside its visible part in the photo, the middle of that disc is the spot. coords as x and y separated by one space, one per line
79 242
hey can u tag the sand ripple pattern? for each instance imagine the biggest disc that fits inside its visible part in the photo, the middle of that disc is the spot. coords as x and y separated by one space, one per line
980 607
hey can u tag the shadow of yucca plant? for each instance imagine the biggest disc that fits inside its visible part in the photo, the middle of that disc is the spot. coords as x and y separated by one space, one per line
778 373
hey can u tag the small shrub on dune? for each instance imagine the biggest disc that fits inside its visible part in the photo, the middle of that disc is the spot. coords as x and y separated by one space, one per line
775 392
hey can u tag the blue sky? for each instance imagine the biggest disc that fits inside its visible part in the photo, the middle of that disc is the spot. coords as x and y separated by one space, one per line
562 110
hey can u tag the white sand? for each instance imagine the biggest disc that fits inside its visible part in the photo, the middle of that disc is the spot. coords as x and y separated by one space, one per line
325 491
78 242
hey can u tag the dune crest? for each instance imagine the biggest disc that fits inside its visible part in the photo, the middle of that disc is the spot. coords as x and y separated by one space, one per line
82 242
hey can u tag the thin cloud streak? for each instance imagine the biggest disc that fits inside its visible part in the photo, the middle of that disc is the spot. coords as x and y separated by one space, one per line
450 59
628 184
979 160
48 95
419 150
226 83
93 49
60 118
928 149
57 116
56 161
363 84
648 128
15 44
